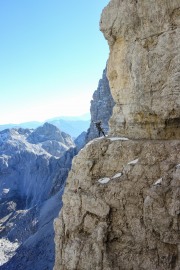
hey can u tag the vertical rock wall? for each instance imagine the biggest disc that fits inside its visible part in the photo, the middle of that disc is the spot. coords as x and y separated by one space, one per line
101 107
143 67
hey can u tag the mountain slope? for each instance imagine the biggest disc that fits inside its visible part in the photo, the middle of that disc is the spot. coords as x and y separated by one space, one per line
33 168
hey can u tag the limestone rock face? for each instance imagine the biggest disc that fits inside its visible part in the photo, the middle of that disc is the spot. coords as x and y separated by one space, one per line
143 67
101 107
121 207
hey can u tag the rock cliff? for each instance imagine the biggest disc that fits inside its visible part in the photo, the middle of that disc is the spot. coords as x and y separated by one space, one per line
101 108
143 67
121 205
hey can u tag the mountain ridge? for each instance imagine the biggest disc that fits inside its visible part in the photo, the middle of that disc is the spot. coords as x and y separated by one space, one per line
70 124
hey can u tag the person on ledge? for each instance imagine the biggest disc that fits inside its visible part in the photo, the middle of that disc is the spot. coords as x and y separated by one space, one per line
99 128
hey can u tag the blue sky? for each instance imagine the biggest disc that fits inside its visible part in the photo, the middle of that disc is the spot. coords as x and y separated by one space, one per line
52 56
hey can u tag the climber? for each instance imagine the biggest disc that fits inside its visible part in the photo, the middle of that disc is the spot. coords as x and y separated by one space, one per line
99 128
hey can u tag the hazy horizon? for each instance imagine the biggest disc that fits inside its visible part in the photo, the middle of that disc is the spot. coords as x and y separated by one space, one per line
82 117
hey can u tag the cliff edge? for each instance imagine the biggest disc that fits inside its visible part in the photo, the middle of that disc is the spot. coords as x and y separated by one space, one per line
122 197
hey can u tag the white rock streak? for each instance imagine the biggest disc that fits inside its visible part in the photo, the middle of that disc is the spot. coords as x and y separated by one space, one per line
5 190
117 175
118 139
7 250
158 182
105 180
133 162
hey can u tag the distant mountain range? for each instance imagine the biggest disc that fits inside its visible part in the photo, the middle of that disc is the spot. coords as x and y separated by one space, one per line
73 125
34 164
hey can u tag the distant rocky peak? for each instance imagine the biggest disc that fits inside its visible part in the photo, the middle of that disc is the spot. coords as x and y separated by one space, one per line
44 133
8 133
24 131
49 132
13 134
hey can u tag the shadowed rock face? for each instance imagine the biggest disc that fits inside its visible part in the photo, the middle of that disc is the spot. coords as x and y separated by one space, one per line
143 67
101 107
121 204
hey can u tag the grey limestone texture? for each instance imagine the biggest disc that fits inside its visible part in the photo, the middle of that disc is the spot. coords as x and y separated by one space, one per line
121 205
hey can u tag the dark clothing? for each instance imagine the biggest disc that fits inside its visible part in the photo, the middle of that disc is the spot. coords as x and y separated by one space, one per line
99 128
